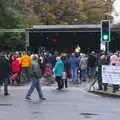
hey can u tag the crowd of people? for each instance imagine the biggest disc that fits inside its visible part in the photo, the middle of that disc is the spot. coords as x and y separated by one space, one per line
19 67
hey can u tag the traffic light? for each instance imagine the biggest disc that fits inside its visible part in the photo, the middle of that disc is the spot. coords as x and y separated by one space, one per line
105 30
55 40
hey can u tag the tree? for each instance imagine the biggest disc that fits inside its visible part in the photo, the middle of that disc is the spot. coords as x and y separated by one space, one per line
57 12
11 19
75 11
12 41
96 11
65 11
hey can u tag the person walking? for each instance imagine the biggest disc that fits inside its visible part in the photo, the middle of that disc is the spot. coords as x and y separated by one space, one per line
16 69
35 73
58 70
4 73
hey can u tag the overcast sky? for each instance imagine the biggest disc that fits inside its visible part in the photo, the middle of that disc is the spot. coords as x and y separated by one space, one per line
116 12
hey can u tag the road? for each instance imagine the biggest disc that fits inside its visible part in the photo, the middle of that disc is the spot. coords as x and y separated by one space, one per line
73 103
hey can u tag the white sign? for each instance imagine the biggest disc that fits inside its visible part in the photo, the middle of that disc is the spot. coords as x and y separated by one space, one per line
102 46
111 74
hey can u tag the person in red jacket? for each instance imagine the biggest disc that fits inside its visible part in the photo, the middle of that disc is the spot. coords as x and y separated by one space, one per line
15 66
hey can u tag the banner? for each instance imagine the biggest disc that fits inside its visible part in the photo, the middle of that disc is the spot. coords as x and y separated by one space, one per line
111 74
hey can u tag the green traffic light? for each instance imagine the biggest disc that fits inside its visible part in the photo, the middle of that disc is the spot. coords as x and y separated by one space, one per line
105 37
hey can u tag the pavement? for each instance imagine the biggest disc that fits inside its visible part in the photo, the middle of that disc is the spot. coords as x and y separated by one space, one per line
72 103
109 92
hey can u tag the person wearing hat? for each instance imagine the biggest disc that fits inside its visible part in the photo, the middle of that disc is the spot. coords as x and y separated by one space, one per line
35 73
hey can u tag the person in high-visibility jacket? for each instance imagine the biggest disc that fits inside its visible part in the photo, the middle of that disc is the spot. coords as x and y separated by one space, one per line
25 64
25 61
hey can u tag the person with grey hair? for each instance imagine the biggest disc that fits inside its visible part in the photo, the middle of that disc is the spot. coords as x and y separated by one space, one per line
35 73
58 70
83 67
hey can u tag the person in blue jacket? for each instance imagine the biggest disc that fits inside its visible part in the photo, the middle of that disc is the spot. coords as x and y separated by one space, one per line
74 67
58 70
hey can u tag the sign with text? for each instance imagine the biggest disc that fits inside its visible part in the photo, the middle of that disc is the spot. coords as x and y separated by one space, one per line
111 74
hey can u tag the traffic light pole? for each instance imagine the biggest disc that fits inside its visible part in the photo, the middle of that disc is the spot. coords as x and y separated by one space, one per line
104 46
107 47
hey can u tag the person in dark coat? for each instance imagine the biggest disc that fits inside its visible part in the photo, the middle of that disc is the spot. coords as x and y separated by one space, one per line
4 73
92 61
66 73
102 61
52 59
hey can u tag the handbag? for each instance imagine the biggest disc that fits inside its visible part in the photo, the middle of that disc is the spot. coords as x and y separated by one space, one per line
13 76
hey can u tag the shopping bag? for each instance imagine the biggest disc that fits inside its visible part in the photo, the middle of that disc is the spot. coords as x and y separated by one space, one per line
64 75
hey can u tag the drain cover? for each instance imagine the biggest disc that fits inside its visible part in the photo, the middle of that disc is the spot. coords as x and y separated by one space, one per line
36 112
88 115
6 104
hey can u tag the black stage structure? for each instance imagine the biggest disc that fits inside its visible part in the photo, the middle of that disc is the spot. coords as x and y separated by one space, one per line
66 37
